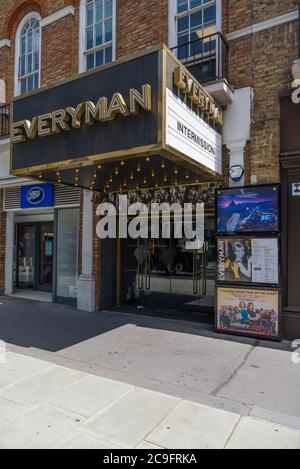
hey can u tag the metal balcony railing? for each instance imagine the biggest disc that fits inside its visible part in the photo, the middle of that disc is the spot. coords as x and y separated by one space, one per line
206 58
4 120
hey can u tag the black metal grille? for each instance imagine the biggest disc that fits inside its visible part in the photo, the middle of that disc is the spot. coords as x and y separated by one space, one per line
206 58
4 120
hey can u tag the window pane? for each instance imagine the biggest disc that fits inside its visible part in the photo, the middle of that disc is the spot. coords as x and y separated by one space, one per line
196 3
183 38
22 66
182 5
99 58
36 42
23 45
183 24
108 55
89 61
108 8
89 39
29 63
89 14
108 31
36 61
98 34
29 41
23 86
210 15
30 83
196 19
99 11
36 81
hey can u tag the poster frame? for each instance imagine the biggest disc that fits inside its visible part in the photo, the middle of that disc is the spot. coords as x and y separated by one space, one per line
278 338
246 233
249 284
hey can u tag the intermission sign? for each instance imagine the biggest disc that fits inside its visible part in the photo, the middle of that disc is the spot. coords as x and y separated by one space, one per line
190 134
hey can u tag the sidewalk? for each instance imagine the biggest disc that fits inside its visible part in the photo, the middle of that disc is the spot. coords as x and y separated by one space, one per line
128 379
43 405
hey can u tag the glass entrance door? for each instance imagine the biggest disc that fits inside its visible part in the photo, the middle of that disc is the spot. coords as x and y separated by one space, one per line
25 263
34 259
169 273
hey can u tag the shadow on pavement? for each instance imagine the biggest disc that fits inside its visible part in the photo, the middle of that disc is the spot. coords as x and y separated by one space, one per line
52 327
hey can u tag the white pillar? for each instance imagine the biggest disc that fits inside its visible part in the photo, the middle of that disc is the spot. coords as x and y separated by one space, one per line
9 254
236 161
86 281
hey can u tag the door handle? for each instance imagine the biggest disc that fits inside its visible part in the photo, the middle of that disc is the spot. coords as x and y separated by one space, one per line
140 268
147 270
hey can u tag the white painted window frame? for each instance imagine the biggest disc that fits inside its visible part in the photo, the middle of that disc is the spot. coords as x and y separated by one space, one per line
31 14
82 39
172 20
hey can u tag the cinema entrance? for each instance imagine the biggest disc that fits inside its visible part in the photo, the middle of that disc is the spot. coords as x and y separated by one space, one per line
172 273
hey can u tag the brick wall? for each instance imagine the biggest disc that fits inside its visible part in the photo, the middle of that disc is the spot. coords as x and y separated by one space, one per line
262 61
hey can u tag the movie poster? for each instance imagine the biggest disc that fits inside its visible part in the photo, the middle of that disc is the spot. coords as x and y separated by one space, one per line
248 311
248 260
254 209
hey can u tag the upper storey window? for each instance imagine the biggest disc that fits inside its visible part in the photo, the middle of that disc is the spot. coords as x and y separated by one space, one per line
195 19
28 49
99 32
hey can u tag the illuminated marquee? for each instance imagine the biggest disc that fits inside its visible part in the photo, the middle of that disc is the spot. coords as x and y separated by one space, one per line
197 95
63 120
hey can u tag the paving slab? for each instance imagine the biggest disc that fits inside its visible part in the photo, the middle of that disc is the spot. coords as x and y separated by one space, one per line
10 411
42 386
17 370
8 357
147 445
39 428
194 426
89 396
276 417
129 419
267 379
83 440
253 433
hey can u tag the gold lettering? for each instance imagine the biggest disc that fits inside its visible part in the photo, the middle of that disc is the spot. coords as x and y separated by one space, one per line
194 93
44 125
17 133
97 112
117 106
31 128
179 78
76 115
60 120
143 100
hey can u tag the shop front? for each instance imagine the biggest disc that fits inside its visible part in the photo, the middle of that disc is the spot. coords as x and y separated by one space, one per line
141 127
42 241
290 181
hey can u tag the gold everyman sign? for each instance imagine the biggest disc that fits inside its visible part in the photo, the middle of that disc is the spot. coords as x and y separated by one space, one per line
63 120
197 95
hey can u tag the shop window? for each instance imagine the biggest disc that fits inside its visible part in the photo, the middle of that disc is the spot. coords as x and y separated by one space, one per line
28 54
67 254
97 33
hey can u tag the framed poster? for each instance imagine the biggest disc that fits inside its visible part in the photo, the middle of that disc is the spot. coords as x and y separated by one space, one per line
247 311
248 209
248 260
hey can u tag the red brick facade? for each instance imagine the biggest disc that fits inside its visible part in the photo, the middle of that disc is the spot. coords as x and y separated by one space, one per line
261 61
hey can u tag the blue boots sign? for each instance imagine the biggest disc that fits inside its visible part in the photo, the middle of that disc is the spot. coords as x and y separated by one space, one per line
37 195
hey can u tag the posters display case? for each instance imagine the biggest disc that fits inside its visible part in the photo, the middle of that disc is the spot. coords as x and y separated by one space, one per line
248 210
248 260
247 311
